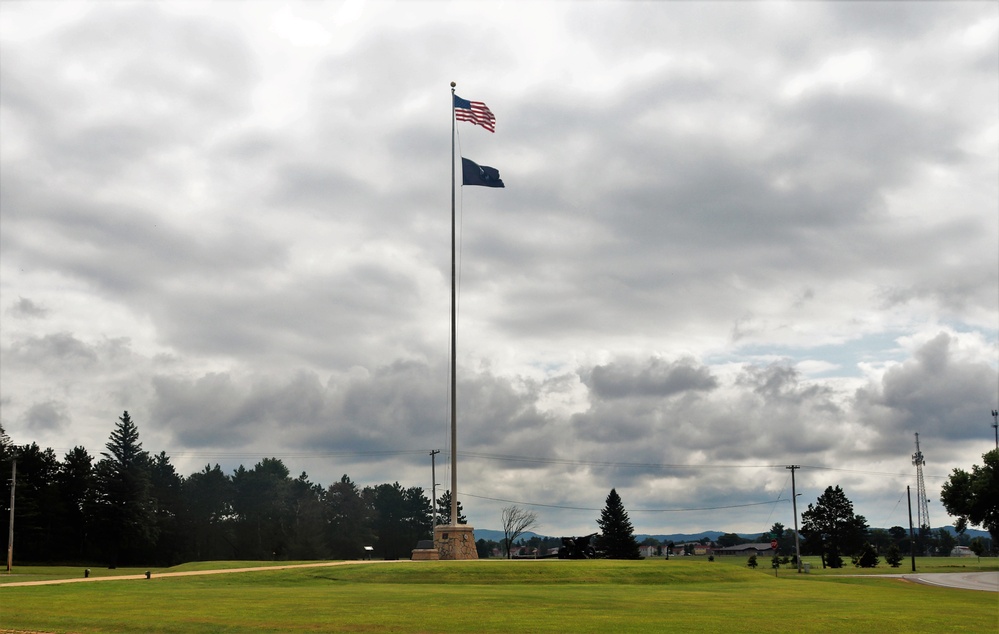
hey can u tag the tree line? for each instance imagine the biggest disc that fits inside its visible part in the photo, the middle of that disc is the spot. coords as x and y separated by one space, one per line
129 507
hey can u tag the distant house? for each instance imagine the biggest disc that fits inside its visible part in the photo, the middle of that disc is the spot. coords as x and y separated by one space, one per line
962 551
647 551
694 548
745 550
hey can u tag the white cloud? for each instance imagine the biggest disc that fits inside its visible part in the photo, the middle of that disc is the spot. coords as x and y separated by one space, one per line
733 237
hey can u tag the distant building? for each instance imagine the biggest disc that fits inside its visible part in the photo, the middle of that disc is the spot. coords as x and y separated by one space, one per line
746 550
694 548
962 551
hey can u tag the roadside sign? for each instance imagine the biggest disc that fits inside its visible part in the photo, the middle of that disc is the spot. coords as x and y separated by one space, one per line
773 544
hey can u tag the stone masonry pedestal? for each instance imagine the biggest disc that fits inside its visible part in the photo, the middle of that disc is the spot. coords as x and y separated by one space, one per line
455 542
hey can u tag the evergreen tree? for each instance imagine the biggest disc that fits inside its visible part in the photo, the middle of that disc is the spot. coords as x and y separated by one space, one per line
348 520
401 517
308 526
617 539
867 558
6 448
125 506
261 505
208 514
444 510
166 487
893 557
77 489
36 510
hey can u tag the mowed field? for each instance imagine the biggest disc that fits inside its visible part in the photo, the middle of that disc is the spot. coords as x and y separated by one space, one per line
680 595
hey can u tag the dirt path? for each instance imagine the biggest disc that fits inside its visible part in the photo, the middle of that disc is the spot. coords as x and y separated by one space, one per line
984 581
191 573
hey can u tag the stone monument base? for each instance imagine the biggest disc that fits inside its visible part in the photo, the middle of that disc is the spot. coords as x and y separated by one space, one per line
425 554
425 551
455 542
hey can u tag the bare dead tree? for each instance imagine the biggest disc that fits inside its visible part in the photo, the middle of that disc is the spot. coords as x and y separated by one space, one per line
516 521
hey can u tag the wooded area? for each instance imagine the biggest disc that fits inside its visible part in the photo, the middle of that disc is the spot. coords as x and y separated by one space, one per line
129 507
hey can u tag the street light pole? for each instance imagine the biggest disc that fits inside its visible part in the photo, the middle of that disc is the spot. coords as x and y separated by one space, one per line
10 534
433 486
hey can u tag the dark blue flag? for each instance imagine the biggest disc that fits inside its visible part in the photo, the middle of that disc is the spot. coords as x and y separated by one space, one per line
474 174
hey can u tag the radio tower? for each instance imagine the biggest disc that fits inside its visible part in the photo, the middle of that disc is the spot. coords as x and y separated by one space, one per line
923 510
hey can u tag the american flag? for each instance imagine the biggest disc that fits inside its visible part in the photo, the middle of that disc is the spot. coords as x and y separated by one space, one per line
475 112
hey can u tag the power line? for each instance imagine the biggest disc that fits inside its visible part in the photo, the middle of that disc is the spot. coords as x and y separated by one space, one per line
584 508
658 465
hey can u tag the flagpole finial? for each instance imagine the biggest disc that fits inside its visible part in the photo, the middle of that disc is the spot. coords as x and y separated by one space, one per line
453 84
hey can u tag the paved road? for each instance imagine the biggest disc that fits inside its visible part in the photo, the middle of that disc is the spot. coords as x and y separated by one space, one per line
987 581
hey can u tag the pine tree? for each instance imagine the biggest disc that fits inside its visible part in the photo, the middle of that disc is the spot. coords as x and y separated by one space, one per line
867 558
893 558
444 510
617 540
125 506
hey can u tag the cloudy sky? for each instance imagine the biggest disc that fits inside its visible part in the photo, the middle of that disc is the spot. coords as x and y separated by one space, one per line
733 237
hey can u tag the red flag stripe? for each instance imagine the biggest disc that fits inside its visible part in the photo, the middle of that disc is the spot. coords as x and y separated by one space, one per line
479 114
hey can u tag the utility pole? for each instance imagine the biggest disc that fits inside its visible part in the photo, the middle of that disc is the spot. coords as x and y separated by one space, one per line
794 505
10 534
912 534
433 483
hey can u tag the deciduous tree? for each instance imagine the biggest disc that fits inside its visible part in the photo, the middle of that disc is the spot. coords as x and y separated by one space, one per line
974 497
516 521
944 542
730 539
831 529
484 548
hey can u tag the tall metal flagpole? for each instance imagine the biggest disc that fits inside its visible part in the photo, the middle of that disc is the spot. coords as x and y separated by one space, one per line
454 343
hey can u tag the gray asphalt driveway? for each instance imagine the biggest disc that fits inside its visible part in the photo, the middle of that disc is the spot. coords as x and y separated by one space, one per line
988 581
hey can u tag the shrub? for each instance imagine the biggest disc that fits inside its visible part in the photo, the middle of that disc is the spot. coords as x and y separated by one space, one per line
893 557
867 558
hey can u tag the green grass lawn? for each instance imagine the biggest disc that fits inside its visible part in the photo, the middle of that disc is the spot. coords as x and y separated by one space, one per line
681 595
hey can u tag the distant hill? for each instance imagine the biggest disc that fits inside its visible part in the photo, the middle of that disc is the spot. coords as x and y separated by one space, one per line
497 536
679 538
